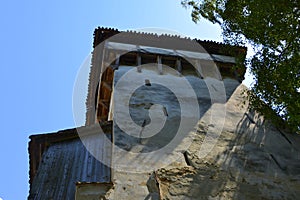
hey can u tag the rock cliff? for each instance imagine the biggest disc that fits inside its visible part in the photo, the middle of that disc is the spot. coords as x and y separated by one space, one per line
252 159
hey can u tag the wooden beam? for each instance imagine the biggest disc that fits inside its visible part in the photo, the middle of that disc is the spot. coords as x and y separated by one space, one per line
102 67
102 118
160 71
117 61
107 85
199 69
104 103
139 62
178 65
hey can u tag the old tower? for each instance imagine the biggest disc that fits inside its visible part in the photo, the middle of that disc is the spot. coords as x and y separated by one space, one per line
153 101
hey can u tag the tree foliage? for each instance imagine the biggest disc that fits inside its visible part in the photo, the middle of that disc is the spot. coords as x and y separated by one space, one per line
272 27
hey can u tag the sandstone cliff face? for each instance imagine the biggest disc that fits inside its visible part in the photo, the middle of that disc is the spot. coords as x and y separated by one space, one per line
251 160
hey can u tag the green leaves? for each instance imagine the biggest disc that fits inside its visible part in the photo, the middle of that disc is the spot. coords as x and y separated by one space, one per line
273 28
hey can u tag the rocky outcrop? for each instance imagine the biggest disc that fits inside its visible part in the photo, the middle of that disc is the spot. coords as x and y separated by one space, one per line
251 160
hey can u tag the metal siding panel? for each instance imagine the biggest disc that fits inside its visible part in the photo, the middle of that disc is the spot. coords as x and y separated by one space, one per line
66 163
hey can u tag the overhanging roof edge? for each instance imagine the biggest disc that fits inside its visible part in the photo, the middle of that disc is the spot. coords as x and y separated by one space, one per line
171 52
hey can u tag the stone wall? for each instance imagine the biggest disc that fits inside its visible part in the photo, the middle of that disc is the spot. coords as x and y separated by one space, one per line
251 160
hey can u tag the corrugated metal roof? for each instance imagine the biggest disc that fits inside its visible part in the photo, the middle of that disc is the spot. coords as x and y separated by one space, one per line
65 163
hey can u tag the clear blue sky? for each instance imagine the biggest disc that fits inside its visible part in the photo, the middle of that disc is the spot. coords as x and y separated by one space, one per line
43 44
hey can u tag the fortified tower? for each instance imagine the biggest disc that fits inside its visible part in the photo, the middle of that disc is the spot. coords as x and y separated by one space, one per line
165 119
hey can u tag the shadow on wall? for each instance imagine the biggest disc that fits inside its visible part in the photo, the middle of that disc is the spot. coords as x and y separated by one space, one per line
256 161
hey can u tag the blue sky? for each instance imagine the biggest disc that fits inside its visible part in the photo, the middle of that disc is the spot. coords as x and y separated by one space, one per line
43 44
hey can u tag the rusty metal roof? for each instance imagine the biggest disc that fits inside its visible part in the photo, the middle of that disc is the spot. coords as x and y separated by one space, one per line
165 40
64 162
